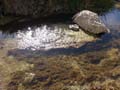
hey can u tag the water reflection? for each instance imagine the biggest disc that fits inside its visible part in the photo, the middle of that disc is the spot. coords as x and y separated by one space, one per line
52 36
7 35
112 19
58 39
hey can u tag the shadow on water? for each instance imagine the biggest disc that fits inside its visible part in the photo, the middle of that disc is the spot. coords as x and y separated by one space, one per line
25 22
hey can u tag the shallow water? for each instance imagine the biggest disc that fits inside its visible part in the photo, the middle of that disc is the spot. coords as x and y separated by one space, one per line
93 63
58 39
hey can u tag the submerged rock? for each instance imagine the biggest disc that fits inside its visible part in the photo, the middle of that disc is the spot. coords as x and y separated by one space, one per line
90 22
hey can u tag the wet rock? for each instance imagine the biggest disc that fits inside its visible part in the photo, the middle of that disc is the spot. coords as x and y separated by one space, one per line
90 22
74 27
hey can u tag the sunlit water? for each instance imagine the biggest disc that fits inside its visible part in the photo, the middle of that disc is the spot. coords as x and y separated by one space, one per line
47 37
63 40
52 36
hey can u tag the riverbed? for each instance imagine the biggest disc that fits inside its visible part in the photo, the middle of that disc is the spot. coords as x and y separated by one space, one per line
52 57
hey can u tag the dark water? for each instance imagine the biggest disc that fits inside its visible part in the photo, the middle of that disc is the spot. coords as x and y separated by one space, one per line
112 19
111 40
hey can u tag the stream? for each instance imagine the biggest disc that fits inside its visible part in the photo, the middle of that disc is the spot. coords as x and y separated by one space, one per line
56 38
50 56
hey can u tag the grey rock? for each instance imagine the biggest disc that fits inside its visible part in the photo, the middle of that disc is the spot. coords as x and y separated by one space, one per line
90 22
74 27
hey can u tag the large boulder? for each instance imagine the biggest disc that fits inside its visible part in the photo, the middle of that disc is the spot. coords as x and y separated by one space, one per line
90 22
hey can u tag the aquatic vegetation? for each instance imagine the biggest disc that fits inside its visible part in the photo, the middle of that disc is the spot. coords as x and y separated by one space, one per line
9 66
96 69
64 72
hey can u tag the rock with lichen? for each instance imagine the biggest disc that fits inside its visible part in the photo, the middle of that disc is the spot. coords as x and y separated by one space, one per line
90 22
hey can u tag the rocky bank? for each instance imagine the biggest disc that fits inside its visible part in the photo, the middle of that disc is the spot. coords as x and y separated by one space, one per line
50 7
